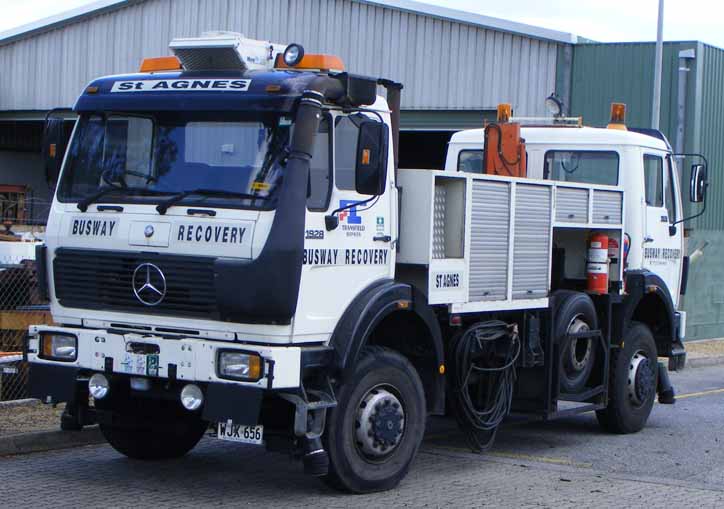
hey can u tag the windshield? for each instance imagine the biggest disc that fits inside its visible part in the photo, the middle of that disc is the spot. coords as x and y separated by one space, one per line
144 158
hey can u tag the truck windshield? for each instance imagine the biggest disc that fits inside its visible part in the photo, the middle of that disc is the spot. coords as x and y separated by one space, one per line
166 154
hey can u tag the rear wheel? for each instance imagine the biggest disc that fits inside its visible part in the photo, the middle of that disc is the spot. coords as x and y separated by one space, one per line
574 313
377 426
154 433
634 374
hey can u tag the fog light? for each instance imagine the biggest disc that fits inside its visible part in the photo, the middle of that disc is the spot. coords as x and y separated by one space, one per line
59 347
98 386
192 397
239 365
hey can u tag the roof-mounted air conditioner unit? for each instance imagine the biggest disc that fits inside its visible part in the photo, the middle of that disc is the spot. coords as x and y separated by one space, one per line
224 51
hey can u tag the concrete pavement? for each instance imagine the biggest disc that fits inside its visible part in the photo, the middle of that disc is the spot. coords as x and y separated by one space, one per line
675 461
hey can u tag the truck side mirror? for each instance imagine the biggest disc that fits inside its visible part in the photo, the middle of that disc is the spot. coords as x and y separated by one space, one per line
699 183
371 165
54 144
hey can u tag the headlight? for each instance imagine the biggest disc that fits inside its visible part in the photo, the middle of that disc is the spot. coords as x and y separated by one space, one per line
58 347
239 365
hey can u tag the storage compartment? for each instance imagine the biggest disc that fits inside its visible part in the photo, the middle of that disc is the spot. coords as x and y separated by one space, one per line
607 207
448 230
532 241
570 256
489 240
571 205
488 243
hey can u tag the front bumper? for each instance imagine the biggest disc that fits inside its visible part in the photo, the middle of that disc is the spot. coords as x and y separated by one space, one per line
183 359
180 361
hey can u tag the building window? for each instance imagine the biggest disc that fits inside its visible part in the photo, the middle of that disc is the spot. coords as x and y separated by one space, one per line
582 166
13 203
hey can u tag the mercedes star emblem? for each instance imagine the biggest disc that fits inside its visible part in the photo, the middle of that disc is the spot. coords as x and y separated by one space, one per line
149 284
148 231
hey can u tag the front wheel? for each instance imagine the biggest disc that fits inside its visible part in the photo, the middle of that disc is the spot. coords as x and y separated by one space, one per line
632 387
377 426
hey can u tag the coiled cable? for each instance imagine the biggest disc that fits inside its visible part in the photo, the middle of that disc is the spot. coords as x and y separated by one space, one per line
484 359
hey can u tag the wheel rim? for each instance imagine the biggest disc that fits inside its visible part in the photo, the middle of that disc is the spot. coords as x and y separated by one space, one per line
641 379
379 423
579 350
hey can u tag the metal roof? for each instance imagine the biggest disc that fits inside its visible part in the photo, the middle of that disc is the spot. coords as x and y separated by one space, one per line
430 55
61 19
411 6
569 135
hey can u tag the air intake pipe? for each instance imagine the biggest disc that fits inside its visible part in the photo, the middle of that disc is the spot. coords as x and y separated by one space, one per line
394 101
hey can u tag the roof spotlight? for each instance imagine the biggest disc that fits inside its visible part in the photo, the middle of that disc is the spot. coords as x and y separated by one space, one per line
554 105
293 54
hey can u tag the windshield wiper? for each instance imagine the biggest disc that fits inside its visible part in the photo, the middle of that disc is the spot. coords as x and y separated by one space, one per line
83 204
164 206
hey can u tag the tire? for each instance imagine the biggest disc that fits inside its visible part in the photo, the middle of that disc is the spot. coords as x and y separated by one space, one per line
145 441
627 412
574 312
356 464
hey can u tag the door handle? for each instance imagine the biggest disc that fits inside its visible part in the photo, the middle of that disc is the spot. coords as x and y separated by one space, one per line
382 238
664 219
648 239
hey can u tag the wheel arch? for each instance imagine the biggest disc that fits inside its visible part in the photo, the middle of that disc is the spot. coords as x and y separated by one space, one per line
397 316
649 302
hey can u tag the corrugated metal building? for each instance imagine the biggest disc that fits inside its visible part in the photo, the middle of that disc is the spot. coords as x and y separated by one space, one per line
456 66
448 60
603 73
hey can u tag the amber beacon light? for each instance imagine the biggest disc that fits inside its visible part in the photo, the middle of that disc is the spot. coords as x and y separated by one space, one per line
618 116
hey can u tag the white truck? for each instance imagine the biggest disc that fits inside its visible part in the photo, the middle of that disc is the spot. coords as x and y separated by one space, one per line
232 247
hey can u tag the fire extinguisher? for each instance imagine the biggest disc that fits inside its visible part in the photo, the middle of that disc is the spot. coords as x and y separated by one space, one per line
597 266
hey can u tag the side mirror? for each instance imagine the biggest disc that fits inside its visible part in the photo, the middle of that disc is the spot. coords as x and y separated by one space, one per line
55 140
371 165
699 183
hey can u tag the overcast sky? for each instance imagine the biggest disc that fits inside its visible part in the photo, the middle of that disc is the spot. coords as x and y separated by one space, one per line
601 20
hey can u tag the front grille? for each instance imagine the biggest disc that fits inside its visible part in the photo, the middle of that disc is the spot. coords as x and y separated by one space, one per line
90 279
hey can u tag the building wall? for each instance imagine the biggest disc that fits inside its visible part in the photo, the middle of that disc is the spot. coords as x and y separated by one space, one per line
604 73
443 64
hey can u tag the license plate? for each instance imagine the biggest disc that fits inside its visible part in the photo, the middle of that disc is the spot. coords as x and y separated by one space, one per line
239 433
140 364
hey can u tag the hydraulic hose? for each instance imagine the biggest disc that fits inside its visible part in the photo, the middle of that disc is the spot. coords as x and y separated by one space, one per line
483 377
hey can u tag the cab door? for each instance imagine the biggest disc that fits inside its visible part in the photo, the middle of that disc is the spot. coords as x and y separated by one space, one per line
662 242
340 262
